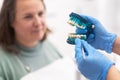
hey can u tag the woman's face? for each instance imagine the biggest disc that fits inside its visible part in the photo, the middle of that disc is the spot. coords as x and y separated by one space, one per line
29 24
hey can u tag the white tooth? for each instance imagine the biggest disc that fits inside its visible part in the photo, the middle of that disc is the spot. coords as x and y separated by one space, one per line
79 36
81 27
70 22
75 23
74 36
71 35
68 34
78 26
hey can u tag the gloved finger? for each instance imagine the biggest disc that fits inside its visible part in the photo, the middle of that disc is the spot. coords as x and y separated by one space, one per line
95 22
89 18
90 38
78 49
80 31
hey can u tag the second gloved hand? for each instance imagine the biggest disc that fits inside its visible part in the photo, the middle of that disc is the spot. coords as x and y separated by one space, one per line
95 65
103 39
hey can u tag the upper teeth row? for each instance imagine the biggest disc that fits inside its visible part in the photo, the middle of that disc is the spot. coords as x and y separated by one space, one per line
75 24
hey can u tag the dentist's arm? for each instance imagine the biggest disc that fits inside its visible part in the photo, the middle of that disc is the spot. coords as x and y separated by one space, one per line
113 74
116 46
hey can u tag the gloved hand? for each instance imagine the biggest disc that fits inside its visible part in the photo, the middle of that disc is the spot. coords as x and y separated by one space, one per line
103 40
95 65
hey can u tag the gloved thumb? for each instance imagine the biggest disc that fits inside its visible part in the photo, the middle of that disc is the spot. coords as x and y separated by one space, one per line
78 49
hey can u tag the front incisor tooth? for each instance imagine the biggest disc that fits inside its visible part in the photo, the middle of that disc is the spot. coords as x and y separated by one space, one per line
70 22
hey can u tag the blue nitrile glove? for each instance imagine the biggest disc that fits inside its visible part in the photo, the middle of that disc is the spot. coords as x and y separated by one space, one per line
103 39
95 65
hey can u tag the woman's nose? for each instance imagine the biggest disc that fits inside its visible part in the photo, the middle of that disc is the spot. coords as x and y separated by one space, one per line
37 21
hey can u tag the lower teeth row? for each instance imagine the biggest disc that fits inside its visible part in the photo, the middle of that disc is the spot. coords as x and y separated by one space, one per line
76 36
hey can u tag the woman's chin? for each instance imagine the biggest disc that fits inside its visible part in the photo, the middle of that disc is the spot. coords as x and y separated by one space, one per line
38 38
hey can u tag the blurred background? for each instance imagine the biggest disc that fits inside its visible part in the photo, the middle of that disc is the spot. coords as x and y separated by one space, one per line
107 11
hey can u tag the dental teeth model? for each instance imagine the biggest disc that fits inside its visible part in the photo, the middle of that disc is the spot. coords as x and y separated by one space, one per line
85 28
